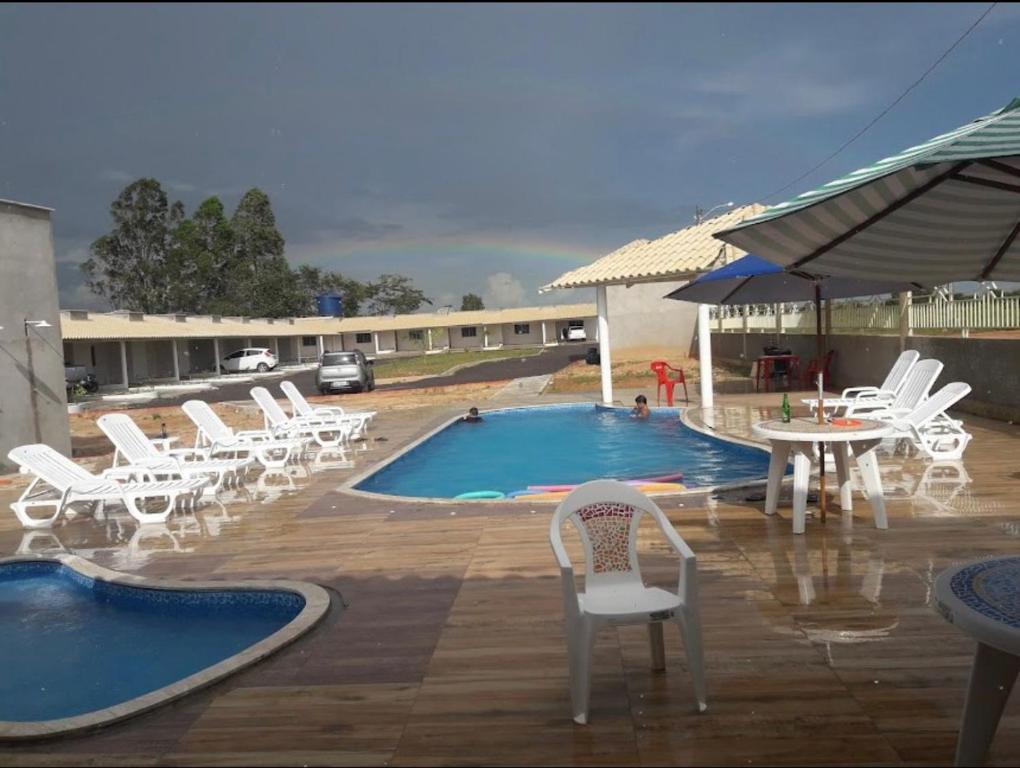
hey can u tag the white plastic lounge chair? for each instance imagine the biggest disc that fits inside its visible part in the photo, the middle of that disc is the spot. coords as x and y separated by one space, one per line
59 483
886 392
606 513
931 428
136 449
302 408
327 433
913 392
220 440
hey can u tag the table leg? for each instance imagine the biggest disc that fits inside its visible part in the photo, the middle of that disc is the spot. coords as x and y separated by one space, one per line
841 453
866 460
777 468
801 480
991 680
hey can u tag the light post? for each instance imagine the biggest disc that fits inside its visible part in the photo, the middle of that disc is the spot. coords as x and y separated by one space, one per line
32 394
700 215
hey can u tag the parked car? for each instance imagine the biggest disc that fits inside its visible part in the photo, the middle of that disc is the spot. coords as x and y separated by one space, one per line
258 359
350 371
78 374
575 331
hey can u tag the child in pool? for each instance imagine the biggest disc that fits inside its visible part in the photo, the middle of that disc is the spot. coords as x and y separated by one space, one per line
641 409
472 416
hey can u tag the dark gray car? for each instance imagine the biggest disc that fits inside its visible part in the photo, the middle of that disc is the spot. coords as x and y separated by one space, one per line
345 371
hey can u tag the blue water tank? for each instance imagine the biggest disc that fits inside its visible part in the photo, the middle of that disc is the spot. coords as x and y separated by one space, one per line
330 304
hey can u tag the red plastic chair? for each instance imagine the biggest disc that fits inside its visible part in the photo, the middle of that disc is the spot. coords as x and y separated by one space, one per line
660 367
813 368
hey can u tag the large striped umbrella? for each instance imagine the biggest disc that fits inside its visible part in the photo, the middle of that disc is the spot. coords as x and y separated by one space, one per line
945 210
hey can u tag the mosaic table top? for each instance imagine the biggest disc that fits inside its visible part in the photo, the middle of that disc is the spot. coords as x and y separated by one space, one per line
983 599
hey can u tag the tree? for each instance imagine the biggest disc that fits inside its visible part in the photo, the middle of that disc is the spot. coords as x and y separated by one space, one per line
396 295
202 261
470 302
264 284
129 266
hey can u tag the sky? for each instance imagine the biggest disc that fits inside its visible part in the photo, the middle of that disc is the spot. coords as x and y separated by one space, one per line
476 148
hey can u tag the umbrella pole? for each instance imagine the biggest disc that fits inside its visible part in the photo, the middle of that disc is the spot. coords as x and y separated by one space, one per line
820 344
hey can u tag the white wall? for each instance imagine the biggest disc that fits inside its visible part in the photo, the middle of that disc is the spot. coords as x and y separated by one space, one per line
333 343
457 341
495 335
639 316
406 344
387 341
534 335
350 343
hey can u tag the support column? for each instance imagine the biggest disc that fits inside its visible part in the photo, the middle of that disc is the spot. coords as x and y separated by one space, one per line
322 345
276 348
743 329
247 342
705 355
177 362
543 334
779 321
485 337
216 356
605 358
428 338
906 299
123 364
375 341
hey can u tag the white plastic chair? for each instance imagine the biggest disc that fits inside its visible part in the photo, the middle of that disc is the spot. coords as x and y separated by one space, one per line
301 408
915 389
136 449
220 440
884 393
606 513
327 433
59 483
930 427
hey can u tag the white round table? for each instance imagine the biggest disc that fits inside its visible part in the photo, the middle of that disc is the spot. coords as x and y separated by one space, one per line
982 598
798 437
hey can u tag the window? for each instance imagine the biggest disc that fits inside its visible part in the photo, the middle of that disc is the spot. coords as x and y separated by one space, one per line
468 333
522 329
309 341
339 358
576 324
235 355
416 335
363 338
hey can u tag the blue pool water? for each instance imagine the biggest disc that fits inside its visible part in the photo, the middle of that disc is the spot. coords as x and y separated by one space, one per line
70 645
553 445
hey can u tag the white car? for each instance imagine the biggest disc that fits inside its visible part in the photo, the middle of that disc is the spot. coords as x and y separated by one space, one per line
575 331
257 359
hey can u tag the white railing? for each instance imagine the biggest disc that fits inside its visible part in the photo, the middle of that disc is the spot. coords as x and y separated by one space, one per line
928 313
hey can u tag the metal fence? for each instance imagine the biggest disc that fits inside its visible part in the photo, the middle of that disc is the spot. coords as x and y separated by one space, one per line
927 313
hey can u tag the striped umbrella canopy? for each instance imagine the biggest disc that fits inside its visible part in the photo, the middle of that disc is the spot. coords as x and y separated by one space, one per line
945 210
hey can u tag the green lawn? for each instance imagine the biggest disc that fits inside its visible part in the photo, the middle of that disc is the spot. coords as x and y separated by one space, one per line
433 365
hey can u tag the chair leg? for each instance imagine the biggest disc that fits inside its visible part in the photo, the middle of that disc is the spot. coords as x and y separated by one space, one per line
991 680
656 646
689 622
581 647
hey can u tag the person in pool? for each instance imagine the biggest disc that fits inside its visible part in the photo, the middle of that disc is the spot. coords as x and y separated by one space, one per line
472 416
641 409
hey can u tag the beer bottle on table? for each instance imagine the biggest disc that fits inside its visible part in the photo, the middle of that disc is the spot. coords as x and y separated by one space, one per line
786 408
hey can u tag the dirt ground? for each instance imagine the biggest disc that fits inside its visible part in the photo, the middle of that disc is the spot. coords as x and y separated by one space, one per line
631 371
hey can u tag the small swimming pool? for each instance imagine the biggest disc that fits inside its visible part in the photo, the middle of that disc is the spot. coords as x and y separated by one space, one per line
563 444
72 645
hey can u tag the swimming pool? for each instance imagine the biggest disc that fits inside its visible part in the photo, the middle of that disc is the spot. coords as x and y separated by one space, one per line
563 444
79 648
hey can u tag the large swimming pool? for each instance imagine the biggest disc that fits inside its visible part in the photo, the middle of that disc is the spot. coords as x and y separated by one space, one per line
557 445
71 645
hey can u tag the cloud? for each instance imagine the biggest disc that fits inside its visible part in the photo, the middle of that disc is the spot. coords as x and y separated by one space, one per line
503 290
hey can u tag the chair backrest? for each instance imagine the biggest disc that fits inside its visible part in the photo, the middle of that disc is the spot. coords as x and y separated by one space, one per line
301 405
271 409
52 467
898 373
660 366
127 437
918 384
208 422
938 403
606 513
